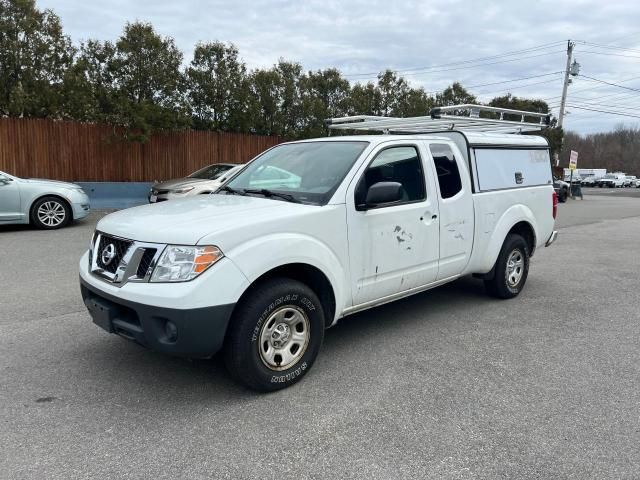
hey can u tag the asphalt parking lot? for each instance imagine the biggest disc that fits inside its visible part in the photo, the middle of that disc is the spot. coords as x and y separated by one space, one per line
446 384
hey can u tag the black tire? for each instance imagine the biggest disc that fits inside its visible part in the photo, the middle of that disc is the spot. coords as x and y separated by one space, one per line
500 286
245 351
562 196
59 217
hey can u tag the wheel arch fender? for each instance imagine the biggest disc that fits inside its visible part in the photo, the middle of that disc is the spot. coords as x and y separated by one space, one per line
289 252
39 196
516 218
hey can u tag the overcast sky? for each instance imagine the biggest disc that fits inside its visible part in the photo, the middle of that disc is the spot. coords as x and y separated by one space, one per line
364 36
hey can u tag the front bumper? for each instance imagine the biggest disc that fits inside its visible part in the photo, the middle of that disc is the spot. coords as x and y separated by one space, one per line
196 332
81 210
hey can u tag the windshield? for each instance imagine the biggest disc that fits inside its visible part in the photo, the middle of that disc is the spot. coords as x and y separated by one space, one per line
211 172
310 171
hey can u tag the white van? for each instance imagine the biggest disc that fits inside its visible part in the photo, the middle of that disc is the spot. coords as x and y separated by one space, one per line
261 272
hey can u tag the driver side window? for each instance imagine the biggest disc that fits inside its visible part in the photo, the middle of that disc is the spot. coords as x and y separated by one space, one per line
400 164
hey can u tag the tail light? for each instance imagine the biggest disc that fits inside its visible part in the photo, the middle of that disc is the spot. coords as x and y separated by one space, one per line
555 204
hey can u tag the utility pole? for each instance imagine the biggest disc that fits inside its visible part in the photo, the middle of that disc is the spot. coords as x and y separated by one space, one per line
570 46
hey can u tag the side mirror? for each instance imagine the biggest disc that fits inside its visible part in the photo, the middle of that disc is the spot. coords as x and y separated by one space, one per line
381 193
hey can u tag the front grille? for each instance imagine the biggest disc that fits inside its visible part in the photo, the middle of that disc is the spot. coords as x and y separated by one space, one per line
145 262
120 249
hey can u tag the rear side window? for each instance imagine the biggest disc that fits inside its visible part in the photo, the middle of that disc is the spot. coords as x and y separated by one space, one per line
447 170
395 164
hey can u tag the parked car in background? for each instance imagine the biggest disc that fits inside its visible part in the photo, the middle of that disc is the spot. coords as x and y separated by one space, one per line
46 204
205 180
630 181
589 181
612 180
562 189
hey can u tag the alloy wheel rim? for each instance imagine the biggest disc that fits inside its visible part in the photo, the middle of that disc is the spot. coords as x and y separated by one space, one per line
51 213
284 338
515 267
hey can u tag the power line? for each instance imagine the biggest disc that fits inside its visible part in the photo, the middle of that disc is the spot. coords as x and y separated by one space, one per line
461 62
618 107
604 111
607 47
517 87
631 104
514 80
591 88
607 54
610 83
476 66
616 96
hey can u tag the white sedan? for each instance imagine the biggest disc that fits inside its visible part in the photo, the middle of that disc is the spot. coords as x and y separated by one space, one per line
46 204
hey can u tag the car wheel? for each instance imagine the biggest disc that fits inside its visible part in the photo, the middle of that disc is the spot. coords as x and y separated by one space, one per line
511 268
50 213
275 335
562 196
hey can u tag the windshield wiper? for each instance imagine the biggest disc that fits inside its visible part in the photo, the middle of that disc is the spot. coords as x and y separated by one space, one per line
270 193
232 191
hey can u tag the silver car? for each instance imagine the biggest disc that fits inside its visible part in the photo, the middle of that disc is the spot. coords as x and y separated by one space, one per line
205 180
45 204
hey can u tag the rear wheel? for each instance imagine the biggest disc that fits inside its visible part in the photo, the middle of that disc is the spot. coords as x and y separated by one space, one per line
511 268
562 195
50 213
275 335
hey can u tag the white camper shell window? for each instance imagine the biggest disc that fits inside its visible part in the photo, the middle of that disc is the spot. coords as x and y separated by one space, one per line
502 168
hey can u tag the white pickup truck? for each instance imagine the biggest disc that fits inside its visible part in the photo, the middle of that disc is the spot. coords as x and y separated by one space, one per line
261 272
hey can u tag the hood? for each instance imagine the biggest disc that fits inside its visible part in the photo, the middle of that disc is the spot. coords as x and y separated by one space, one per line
177 183
186 221
53 183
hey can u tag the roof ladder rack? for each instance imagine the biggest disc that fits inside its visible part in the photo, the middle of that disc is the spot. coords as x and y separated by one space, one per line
467 117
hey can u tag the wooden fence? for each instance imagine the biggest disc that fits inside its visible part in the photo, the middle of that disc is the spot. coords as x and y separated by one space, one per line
76 151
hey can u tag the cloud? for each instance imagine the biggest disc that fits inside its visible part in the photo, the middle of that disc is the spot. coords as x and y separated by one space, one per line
368 36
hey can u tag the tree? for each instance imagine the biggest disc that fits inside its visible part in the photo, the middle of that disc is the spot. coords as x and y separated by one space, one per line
393 94
615 151
216 80
148 84
415 103
289 114
456 94
34 55
89 92
324 94
364 100
554 135
264 101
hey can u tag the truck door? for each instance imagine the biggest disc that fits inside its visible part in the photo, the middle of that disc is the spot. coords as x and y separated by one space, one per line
393 247
456 208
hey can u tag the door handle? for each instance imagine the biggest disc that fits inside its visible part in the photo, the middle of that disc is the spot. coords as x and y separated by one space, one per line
434 216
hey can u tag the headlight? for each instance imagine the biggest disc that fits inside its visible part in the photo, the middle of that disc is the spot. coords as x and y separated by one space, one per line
77 190
179 263
182 190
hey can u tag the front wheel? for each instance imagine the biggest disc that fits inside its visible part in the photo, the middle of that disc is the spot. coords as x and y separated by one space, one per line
511 268
275 335
50 213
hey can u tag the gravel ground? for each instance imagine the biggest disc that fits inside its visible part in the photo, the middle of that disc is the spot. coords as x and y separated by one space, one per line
445 384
